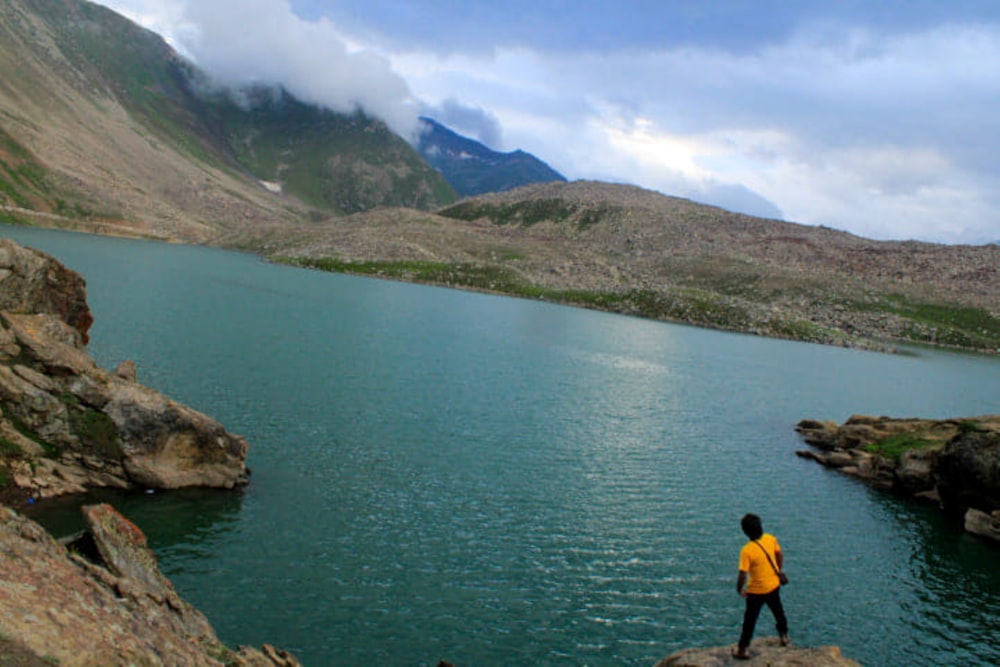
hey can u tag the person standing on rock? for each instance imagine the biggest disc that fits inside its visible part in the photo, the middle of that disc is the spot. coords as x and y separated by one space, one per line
761 561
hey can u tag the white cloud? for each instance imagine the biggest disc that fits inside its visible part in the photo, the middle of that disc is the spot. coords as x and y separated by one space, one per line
263 41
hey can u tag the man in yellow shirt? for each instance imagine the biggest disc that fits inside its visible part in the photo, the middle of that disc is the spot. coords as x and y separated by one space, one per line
761 561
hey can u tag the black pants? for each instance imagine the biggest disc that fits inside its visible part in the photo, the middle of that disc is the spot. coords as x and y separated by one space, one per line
754 603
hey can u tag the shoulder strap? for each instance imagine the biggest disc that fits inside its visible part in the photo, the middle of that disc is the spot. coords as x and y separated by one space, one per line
773 567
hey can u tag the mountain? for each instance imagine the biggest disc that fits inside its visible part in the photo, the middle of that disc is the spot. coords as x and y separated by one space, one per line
473 169
105 127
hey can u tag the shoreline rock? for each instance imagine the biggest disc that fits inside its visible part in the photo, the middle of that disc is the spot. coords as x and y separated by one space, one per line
66 424
766 651
954 463
103 600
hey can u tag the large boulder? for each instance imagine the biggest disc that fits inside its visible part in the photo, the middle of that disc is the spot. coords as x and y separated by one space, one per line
66 424
968 471
103 601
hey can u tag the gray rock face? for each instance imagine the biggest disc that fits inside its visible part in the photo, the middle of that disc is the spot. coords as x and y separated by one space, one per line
69 424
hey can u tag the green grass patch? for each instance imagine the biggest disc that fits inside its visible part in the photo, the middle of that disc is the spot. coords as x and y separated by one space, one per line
529 213
10 450
22 427
96 430
895 446
970 427
939 323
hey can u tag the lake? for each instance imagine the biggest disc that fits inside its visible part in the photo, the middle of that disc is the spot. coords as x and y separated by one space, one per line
492 481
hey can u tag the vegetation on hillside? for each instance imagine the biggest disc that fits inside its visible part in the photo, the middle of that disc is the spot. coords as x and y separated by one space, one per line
336 162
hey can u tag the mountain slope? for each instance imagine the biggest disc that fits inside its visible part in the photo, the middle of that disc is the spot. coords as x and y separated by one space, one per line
116 128
473 169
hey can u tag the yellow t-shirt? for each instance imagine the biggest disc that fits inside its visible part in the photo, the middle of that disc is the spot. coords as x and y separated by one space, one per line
763 579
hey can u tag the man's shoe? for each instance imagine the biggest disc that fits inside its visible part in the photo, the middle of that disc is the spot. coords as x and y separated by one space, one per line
785 640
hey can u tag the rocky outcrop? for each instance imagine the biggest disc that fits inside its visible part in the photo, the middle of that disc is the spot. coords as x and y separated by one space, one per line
67 424
33 282
103 601
765 652
953 462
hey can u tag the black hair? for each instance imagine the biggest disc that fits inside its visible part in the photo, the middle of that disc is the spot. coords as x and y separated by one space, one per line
751 526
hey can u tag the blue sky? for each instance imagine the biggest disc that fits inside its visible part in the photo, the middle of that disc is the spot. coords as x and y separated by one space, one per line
879 118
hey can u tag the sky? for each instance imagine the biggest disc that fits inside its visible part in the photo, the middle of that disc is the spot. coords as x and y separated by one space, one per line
877 117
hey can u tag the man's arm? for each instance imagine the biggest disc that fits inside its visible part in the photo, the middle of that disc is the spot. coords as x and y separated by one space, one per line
779 558
741 580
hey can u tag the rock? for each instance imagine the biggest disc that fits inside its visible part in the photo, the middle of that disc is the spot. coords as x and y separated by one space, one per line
915 472
980 523
764 652
104 602
818 434
79 426
168 445
968 470
33 282
126 370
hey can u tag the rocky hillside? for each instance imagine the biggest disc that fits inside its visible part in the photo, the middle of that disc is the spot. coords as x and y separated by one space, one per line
66 424
634 251
105 127
473 168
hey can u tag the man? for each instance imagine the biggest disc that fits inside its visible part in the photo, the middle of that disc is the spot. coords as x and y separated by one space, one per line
761 561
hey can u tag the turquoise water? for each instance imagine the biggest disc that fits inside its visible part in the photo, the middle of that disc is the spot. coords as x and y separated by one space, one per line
493 481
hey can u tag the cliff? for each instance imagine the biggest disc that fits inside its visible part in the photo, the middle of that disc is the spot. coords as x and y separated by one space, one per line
101 601
954 463
65 423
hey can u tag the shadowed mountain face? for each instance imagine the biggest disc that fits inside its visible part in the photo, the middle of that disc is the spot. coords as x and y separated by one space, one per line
473 169
102 123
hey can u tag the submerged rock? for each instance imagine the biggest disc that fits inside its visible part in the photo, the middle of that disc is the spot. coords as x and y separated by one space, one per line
65 423
103 601
766 651
980 523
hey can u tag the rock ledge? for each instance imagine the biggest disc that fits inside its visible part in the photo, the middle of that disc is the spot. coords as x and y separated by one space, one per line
764 652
